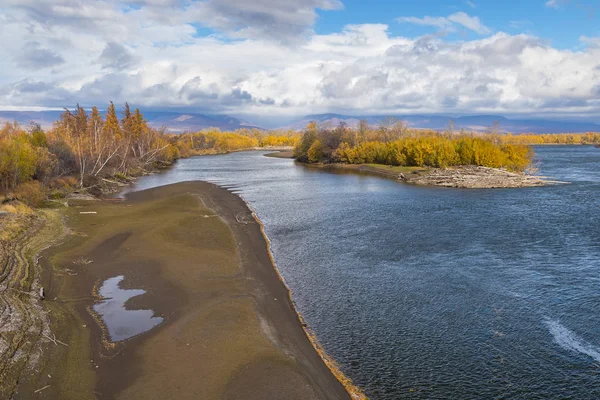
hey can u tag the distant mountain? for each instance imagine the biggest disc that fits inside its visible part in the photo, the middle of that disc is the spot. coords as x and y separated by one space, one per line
479 123
44 118
180 122
173 121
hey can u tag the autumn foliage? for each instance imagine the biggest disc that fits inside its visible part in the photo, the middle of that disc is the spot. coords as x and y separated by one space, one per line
213 141
82 147
400 146
555 138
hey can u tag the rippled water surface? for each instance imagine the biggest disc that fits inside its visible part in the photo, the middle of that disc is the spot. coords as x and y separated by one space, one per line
432 293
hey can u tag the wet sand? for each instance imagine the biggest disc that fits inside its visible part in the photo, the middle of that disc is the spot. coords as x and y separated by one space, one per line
230 330
281 154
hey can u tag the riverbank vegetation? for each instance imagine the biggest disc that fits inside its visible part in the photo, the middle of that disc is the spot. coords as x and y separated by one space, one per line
553 138
84 148
213 141
397 145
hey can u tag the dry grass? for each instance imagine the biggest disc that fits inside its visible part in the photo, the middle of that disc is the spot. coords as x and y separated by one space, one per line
16 221
24 324
16 207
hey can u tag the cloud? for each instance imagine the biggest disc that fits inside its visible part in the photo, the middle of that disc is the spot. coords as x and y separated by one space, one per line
267 60
33 56
439 22
471 4
590 41
552 3
472 23
116 56
449 23
271 19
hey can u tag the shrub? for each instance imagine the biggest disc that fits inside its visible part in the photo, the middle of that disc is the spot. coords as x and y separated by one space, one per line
31 193
315 153
61 187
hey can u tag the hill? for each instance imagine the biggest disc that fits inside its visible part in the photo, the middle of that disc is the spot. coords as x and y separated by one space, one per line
172 121
479 123
178 122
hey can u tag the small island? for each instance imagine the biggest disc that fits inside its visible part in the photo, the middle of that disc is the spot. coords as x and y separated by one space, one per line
421 157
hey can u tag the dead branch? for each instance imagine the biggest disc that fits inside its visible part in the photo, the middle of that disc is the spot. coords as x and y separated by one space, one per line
40 389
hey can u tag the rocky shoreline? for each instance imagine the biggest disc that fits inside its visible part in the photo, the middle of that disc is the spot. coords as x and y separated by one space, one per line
475 177
466 177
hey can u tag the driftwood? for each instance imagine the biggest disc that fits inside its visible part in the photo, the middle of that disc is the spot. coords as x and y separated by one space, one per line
114 182
54 340
40 389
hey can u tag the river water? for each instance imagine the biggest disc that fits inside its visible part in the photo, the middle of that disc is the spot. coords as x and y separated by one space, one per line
436 293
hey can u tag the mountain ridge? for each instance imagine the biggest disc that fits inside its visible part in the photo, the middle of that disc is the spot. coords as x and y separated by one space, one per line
178 122
480 123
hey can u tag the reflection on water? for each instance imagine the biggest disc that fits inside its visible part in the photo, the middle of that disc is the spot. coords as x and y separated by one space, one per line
436 293
120 322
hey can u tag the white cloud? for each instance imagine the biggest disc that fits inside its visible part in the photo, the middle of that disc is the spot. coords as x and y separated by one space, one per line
439 22
150 55
472 23
449 23
552 3
272 19
590 41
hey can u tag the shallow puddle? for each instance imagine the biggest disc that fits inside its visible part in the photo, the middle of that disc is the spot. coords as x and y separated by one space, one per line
120 322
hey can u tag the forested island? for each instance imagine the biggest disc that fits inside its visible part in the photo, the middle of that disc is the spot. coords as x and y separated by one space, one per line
424 157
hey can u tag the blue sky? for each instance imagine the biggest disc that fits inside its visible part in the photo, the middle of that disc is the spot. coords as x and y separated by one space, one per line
274 58
562 25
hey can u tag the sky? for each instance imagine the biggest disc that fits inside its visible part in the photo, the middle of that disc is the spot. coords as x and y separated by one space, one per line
275 58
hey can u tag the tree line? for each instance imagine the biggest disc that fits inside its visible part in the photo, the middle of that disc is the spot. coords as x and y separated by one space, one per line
551 138
213 141
399 145
84 146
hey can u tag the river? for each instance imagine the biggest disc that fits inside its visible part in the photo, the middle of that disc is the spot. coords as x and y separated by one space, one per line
436 293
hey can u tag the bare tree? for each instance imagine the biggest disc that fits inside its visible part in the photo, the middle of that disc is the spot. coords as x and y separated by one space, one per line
450 128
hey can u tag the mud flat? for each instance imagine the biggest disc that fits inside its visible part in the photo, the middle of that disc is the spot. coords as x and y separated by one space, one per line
191 265
281 154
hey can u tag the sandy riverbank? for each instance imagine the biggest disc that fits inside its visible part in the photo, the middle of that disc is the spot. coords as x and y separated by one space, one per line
230 330
281 154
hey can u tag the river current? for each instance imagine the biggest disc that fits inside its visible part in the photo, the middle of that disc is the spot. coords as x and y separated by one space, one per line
436 293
